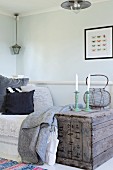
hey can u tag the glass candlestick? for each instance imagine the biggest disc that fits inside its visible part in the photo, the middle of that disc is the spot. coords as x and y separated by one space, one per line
87 109
76 101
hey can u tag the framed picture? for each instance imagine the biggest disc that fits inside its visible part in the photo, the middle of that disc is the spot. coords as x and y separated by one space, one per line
99 43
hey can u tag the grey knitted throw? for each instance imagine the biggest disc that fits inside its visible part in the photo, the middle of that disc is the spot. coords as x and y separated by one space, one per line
34 134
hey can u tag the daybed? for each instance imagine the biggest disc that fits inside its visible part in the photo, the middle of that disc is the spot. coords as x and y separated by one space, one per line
10 124
9 132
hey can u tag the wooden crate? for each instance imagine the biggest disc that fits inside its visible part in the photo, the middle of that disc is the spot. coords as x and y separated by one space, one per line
85 139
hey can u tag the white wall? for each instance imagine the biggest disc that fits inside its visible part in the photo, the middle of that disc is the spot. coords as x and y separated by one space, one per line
7 60
53 47
53 44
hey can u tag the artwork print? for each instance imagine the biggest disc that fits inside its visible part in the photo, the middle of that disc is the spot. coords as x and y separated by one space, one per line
98 43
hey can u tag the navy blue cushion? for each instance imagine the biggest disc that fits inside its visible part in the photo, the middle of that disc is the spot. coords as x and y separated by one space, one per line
19 103
9 82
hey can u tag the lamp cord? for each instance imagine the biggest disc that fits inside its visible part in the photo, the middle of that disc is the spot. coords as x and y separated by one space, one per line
16 29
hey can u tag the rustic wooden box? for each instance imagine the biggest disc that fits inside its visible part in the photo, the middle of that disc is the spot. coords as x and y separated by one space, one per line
85 139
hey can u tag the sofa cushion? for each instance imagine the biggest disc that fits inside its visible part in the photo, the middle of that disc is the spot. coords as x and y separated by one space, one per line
19 103
42 97
9 82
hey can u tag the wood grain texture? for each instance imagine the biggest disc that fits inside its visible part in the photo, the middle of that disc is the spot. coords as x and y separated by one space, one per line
102 133
74 163
102 146
102 158
76 139
86 138
102 125
64 149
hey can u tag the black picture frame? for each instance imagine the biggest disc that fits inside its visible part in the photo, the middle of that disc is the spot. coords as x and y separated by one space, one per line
99 43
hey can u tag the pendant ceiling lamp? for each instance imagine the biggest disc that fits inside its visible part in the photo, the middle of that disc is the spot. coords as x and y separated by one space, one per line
16 47
76 5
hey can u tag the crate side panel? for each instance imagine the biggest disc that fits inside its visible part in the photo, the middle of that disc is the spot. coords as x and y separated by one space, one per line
76 139
64 147
102 158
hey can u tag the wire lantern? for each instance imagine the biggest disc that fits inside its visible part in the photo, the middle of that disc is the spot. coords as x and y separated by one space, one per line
98 97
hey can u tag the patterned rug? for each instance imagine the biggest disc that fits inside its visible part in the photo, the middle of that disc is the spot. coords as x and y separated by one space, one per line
6 164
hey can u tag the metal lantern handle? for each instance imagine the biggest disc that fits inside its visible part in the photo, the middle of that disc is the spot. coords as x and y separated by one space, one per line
99 75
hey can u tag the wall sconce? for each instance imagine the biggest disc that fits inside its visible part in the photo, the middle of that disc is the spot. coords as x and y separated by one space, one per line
16 47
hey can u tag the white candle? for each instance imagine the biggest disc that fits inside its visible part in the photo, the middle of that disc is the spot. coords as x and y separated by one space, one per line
88 82
76 82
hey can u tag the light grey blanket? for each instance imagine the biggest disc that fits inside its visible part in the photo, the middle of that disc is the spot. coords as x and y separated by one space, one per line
34 134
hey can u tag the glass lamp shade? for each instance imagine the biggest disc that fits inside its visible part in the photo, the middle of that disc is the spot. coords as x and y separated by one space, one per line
16 48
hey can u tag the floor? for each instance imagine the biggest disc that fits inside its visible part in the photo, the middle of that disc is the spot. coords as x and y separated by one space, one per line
106 166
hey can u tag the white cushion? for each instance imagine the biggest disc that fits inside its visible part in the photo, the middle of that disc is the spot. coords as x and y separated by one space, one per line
42 97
